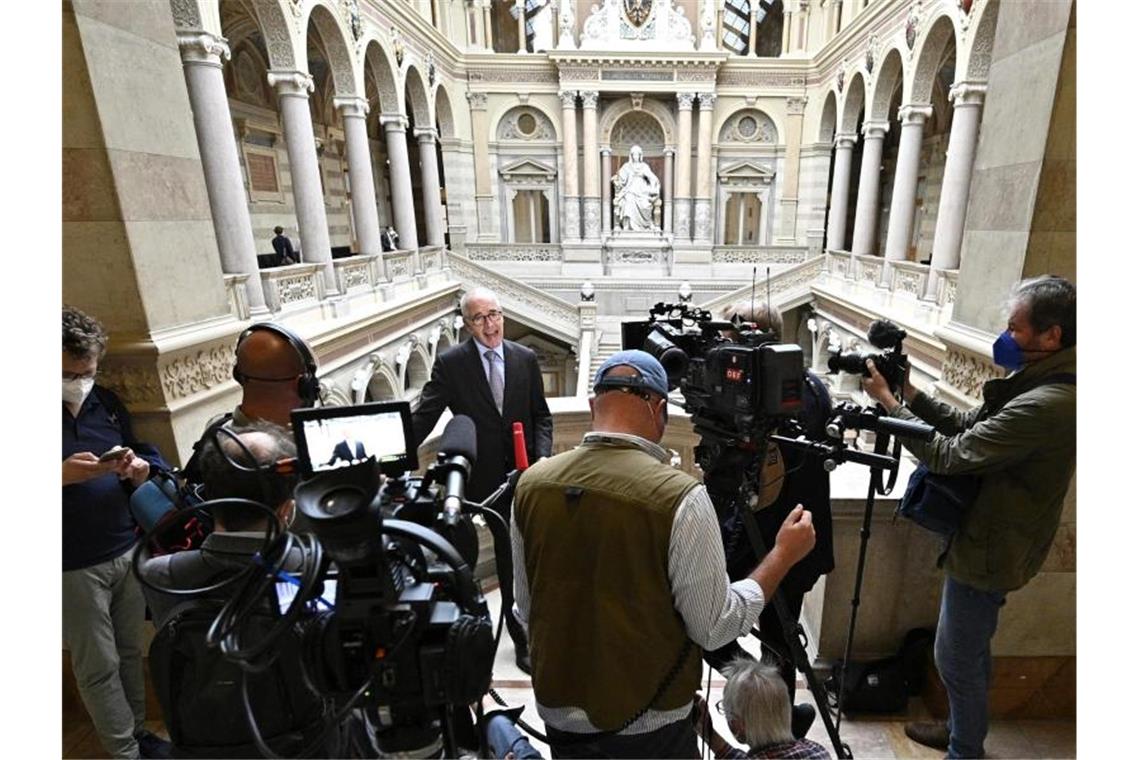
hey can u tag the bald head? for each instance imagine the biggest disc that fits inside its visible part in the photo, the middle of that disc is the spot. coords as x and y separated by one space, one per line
268 367
620 411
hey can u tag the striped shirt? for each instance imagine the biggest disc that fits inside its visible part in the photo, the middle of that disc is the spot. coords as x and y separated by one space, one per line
715 611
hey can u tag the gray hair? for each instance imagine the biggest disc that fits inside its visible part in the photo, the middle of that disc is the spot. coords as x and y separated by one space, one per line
766 317
475 293
83 336
757 699
1052 300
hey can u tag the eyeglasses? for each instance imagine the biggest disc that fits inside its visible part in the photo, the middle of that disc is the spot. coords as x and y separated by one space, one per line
720 706
494 315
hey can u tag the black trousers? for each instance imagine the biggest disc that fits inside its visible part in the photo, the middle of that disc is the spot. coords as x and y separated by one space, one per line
676 740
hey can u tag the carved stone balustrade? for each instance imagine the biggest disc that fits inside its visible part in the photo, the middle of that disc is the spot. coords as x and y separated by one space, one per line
907 278
400 265
526 252
750 254
789 288
236 294
358 273
293 287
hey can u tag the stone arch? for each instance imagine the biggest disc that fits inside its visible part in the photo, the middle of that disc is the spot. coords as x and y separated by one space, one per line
197 15
735 127
655 108
507 127
890 76
637 128
277 30
827 119
974 66
378 61
384 385
931 46
333 395
552 118
444 118
416 371
250 71
417 105
853 103
336 43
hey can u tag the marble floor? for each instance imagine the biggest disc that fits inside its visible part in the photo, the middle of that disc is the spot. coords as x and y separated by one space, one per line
881 737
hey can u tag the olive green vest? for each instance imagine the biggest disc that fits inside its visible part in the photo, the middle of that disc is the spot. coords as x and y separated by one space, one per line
595 524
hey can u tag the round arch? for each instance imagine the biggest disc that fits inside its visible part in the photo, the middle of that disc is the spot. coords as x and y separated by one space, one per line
417 98
931 46
974 66
827 119
888 80
853 103
555 119
337 46
383 384
280 41
415 372
766 131
378 61
445 121
655 108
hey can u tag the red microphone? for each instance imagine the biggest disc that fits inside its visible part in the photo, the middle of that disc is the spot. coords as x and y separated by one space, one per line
521 462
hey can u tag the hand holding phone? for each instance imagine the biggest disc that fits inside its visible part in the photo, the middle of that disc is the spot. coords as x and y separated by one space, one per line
115 454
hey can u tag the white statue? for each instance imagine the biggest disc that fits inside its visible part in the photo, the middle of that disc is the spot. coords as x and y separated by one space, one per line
637 193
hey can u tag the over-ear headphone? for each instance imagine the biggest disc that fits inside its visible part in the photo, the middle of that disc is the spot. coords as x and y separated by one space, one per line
308 386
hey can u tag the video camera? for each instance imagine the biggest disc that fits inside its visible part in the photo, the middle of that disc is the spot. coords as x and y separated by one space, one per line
892 363
734 388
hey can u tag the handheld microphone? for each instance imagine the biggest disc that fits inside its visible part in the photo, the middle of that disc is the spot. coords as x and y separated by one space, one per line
457 452
521 461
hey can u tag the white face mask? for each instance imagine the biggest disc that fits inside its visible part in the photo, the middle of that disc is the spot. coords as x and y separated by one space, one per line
75 391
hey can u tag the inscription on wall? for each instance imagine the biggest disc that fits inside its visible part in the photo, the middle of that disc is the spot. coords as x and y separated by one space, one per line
262 173
623 75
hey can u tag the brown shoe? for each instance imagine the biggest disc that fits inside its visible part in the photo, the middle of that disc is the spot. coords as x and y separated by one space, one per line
934 734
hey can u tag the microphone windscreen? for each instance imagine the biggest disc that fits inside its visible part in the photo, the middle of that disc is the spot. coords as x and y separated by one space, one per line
458 438
151 501
884 334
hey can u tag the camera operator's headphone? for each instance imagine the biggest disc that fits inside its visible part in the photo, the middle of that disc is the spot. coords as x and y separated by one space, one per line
308 386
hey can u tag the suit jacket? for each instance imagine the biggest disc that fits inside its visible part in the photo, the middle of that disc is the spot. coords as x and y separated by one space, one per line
340 451
459 382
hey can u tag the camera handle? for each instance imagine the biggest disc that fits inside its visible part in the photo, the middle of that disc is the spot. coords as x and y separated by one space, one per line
793 638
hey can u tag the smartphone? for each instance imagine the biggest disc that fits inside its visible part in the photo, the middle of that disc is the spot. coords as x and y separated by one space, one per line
116 453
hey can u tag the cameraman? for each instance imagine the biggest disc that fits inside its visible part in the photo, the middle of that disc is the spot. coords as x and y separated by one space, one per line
619 570
1022 443
789 477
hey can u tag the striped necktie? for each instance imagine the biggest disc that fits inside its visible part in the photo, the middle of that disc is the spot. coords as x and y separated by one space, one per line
495 377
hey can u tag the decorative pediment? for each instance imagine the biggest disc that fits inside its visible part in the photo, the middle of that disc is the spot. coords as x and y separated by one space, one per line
528 170
746 173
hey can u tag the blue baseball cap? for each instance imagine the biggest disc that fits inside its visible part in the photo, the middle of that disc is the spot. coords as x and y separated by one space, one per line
651 374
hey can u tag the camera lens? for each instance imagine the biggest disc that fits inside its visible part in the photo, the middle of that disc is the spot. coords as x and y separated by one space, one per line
673 359
342 501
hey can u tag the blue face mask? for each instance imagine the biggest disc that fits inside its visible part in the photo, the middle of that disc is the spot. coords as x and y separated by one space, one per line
1007 353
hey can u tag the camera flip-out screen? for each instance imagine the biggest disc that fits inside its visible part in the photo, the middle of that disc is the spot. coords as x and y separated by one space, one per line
332 437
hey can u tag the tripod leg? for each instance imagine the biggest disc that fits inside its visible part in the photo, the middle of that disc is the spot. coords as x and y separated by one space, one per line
864 538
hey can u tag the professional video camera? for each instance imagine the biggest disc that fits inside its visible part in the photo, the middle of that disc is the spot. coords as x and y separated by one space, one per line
891 363
743 391
388 615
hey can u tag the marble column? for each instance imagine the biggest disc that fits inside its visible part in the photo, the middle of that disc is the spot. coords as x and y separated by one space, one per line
867 201
293 88
591 211
520 6
682 228
353 111
202 55
429 177
474 27
488 27
967 98
667 207
702 206
786 37
489 226
840 187
748 50
900 225
607 189
570 198
400 178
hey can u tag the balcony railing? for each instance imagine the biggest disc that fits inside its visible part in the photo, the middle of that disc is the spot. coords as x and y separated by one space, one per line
514 251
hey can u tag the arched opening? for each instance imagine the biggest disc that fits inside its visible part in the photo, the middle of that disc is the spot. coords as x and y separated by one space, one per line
380 388
527 161
827 137
887 100
416 103
934 77
415 376
380 89
445 129
853 116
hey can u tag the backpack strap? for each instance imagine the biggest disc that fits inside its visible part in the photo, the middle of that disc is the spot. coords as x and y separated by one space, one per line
191 471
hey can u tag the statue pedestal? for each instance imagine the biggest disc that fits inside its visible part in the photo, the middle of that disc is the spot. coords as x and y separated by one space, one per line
638 254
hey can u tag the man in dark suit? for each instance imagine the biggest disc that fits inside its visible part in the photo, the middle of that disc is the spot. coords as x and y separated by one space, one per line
283 247
349 449
495 382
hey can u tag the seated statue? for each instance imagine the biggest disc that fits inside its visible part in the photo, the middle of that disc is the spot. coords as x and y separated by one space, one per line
636 191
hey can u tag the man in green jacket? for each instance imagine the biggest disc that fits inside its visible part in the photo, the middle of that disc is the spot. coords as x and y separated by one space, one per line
1022 443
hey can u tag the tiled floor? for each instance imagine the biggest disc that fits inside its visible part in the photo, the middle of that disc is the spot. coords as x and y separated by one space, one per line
881 737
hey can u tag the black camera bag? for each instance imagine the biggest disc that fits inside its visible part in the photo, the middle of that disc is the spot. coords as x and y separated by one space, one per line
883 685
940 502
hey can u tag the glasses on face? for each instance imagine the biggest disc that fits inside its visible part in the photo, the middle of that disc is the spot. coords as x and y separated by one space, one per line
720 706
494 315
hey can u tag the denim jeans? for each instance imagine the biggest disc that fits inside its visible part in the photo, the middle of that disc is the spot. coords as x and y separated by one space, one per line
504 737
966 623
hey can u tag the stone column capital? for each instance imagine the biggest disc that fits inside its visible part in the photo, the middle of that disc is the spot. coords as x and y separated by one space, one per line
670 152
875 130
203 47
845 140
708 100
915 113
477 101
685 100
606 151
967 94
424 134
394 122
795 106
351 106
589 98
296 84
569 98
